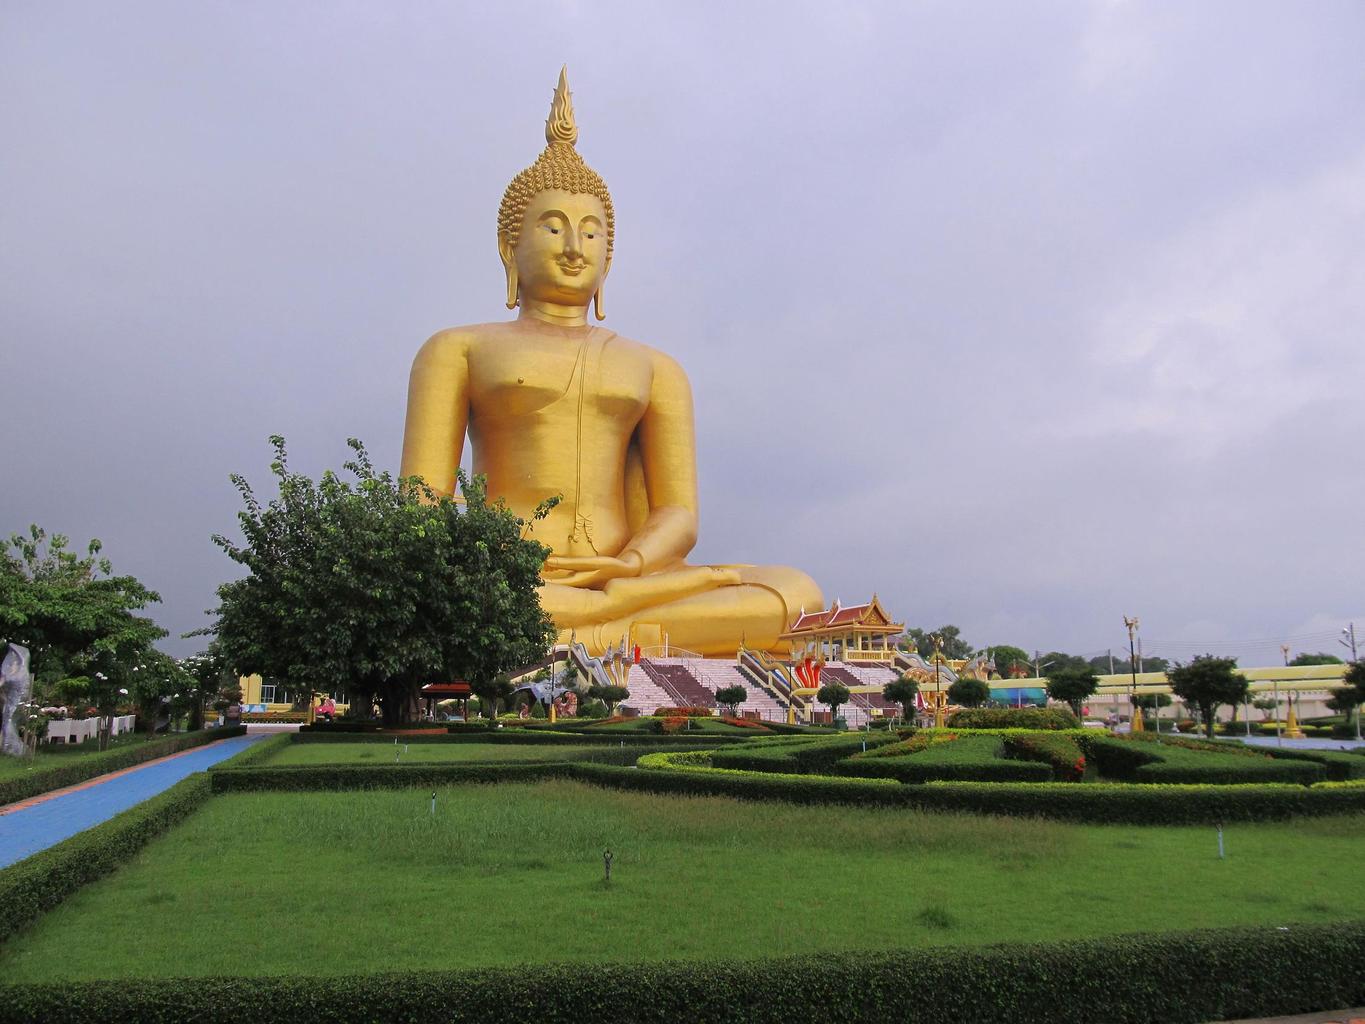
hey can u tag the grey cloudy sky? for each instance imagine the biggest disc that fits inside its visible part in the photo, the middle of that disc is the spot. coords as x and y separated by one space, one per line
1024 316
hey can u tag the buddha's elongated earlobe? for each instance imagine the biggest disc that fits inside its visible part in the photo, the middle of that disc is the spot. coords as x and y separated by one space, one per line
597 308
509 264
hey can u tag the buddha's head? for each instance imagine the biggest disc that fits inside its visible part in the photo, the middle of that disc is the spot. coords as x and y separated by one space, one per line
556 225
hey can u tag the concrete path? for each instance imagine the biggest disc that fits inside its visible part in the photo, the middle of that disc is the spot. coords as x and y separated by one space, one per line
45 820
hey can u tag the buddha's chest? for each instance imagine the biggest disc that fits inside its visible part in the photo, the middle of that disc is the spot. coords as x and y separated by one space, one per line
546 382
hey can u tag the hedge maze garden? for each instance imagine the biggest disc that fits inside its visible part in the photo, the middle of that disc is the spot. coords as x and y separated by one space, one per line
758 874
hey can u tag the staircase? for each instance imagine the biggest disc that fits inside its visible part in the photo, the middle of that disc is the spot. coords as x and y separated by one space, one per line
716 675
646 696
673 675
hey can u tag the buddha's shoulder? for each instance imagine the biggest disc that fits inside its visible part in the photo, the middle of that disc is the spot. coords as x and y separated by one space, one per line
455 342
661 361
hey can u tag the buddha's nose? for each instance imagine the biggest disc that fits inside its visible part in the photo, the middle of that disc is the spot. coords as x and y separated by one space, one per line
571 242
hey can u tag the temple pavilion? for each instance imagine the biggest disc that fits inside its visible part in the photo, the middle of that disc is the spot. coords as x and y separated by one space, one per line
852 633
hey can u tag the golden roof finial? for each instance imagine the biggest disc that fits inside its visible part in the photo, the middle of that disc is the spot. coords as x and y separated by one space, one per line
560 126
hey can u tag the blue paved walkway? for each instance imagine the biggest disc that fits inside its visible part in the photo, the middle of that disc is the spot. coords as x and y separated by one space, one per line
25 832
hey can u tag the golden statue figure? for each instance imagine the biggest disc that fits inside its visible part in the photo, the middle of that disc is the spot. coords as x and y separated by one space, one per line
555 406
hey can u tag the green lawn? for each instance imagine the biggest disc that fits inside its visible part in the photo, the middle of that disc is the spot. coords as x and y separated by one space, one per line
332 883
57 755
361 752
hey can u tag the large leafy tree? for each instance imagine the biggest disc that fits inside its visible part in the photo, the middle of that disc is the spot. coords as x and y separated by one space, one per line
77 619
613 695
1320 658
1352 695
160 685
954 647
1006 657
1208 682
969 692
207 675
903 692
732 697
379 585
833 694
1072 683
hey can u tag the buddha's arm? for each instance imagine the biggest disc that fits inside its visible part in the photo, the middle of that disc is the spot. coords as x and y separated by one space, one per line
668 450
438 411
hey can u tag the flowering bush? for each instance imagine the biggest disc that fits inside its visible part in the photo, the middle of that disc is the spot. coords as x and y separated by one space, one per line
690 712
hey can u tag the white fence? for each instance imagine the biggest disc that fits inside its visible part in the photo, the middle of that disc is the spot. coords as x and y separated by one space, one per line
78 730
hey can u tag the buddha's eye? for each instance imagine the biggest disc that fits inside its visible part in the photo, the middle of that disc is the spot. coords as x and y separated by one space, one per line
589 234
552 229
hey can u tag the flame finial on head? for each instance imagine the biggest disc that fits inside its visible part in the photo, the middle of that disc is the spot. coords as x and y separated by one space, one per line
560 125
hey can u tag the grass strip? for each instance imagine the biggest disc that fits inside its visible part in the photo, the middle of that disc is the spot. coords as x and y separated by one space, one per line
38 883
1172 978
96 764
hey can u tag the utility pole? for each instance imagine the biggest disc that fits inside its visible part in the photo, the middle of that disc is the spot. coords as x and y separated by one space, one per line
937 638
1348 639
1135 718
1111 660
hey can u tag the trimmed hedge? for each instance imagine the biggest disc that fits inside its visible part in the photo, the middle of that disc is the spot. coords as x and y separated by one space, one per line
1097 803
1013 718
795 754
1185 978
38 883
28 785
258 753
1144 759
321 778
1178 764
536 737
966 758
1339 765
1059 751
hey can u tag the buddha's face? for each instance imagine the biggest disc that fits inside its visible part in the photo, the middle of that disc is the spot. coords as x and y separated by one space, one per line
561 251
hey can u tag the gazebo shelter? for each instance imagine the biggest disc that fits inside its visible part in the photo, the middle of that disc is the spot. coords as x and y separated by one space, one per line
856 632
458 690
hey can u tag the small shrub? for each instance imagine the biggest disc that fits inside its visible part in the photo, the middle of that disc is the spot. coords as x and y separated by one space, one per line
686 712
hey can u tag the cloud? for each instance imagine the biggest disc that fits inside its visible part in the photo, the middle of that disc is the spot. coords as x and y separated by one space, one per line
1239 322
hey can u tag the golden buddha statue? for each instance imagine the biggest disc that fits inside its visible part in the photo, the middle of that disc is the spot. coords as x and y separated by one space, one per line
555 406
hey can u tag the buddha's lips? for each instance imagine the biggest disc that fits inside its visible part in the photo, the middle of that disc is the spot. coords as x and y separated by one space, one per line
572 268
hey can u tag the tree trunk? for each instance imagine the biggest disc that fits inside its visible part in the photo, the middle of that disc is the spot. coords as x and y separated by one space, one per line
1207 711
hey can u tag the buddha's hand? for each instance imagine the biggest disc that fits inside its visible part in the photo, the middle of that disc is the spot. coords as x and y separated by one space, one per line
594 570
